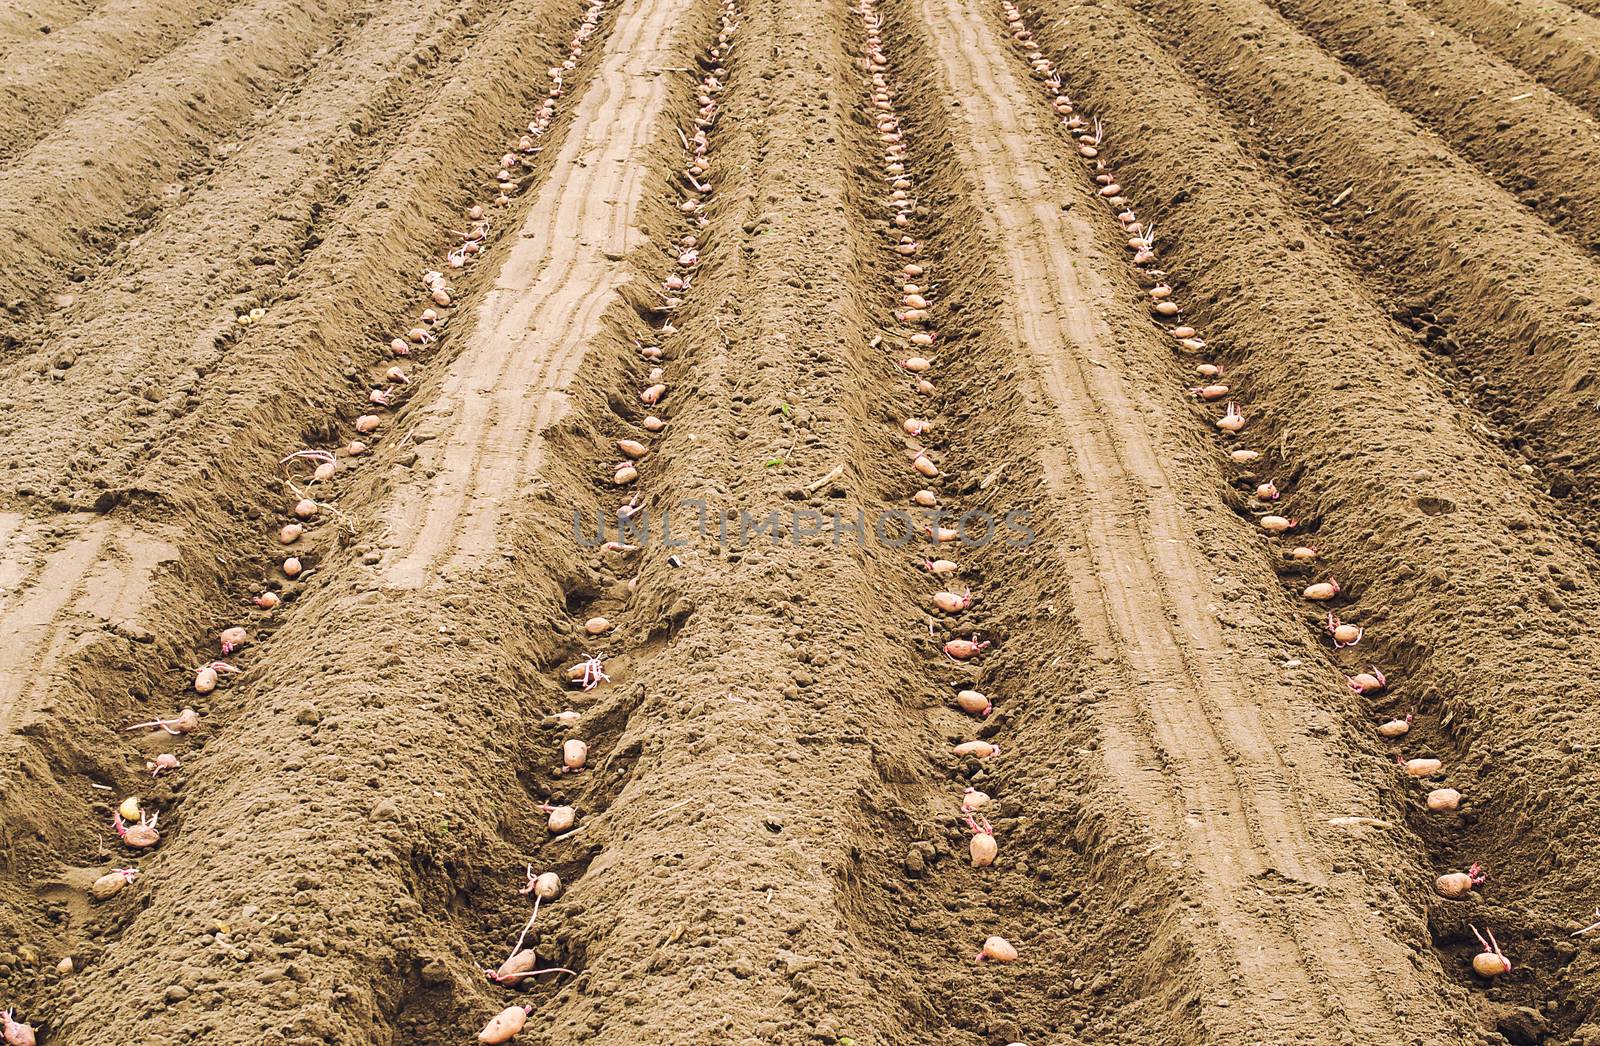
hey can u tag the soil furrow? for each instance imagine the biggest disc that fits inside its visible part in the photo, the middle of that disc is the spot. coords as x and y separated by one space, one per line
745 741
1546 38
57 72
914 882
1425 520
1503 292
482 444
77 729
1116 593
1140 589
66 203
1092 921
360 985
22 23
641 332
159 355
1537 146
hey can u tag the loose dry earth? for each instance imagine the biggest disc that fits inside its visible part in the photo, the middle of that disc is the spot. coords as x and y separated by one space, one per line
1382 219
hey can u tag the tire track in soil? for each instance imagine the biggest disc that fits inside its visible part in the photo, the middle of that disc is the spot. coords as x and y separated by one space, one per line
57 579
1503 294
1545 38
1445 566
90 710
646 600
1537 146
736 897
1228 793
55 73
75 592
371 979
1095 921
613 361
507 384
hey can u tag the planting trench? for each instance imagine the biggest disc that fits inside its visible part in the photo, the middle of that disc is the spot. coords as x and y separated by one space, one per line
1177 695
1445 538
105 650
1503 297
769 843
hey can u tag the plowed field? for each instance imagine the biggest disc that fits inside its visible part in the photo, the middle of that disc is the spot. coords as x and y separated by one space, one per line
871 523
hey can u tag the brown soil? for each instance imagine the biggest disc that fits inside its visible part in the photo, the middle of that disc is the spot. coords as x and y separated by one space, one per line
1554 42
22 22
1535 145
1383 219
